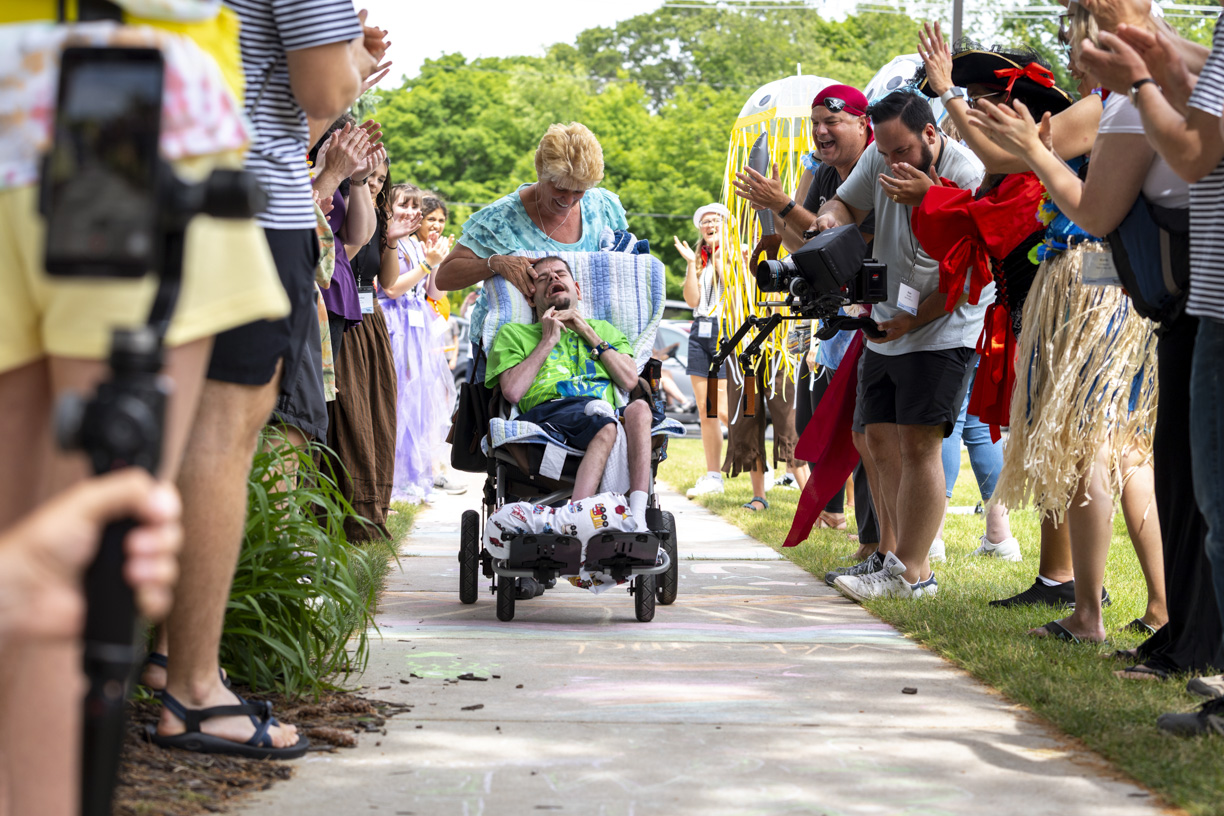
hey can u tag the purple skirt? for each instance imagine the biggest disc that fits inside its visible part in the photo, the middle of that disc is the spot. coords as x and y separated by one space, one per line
426 391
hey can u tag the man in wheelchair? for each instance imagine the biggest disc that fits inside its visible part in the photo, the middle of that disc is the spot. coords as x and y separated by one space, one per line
561 372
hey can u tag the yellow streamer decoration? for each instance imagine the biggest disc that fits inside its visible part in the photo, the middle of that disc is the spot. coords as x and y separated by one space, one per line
788 125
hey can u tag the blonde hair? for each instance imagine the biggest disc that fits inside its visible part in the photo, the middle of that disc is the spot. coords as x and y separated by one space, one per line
570 156
1081 25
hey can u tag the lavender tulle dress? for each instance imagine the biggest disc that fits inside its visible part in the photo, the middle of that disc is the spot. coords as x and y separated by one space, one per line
425 383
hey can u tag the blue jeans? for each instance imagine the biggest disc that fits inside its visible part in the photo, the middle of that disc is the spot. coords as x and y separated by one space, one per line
985 456
1207 442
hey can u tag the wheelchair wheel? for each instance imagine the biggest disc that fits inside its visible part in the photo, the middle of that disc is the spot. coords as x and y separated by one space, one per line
506 590
469 556
667 583
644 597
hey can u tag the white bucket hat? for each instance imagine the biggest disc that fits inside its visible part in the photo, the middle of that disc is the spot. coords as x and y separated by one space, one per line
710 208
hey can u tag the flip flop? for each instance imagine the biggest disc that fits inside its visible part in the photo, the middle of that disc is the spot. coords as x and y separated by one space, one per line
259 746
748 504
1141 671
1125 654
1055 629
1140 627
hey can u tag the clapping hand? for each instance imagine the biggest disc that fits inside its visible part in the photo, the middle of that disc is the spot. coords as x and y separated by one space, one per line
686 252
937 58
1164 62
909 184
1115 65
437 246
403 222
761 192
1011 128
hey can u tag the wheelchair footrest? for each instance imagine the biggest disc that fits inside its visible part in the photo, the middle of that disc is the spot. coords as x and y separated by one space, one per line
620 552
546 554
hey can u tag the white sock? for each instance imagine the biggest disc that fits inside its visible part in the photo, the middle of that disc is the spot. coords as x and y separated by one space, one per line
714 474
637 508
1047 581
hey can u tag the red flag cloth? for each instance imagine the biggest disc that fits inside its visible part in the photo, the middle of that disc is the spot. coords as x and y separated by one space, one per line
996 377
828 444
964 234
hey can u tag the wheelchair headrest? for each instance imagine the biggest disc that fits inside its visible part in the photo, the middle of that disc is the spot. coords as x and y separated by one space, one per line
625 290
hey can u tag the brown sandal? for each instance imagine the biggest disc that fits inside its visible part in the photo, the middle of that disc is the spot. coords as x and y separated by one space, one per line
832 521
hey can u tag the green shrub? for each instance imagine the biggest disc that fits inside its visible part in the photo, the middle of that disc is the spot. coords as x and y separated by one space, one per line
301 592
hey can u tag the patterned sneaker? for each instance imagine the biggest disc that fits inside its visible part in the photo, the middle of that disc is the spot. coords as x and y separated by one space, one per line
706 484
1209 719
1006 550
874 563
887 583
1209 687
939 552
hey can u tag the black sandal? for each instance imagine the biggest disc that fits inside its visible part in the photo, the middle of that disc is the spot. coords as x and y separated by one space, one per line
1139 626
1056 630
259 746
1141 671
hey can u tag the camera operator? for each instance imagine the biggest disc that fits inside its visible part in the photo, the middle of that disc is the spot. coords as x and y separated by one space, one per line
842 133
914 378
55 333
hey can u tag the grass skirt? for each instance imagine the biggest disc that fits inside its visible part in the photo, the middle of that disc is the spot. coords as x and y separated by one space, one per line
1085 379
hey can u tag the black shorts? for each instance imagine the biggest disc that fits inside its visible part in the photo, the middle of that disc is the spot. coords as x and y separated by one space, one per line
566 420
920 388
248 354
703 349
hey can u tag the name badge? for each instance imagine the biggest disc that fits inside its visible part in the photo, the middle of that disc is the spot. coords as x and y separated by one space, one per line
416 319
705 328
907 299
1099 270
365 296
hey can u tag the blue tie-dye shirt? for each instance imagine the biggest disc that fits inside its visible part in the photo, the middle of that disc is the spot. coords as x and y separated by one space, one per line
504 227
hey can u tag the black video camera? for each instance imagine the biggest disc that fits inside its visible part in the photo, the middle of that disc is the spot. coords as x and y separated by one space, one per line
115 209
828 272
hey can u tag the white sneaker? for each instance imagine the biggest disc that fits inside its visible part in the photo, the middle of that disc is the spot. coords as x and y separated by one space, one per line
887 583
938 551
789 482
1006 550
706 484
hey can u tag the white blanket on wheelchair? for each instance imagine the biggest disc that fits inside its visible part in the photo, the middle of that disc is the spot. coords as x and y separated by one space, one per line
580 519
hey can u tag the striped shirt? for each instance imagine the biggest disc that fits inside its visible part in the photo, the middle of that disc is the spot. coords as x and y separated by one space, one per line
270 28
1207 198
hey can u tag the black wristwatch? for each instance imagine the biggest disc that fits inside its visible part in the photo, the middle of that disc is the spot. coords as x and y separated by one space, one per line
790 205
1133 93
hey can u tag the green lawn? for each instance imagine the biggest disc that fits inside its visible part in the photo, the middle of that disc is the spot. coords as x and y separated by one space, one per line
1070 685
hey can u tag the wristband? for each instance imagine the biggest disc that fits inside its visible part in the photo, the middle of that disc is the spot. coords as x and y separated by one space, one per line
948 95
1134 89
790 205
363 181
427 265
599 350
489 263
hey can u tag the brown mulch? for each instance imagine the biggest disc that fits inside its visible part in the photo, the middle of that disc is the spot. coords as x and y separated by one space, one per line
153 780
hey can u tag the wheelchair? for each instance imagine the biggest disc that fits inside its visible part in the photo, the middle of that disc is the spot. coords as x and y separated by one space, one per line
513 456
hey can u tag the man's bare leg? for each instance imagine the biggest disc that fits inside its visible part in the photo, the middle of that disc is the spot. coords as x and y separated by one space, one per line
43 698
885 446
213 482
921 496
591 471
888 542
637 440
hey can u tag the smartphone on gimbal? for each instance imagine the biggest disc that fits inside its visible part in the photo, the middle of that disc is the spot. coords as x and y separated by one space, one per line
101 179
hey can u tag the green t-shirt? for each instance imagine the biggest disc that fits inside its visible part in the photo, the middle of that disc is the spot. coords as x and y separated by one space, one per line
569 370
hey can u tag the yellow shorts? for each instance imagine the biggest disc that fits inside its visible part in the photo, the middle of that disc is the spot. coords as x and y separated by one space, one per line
229 280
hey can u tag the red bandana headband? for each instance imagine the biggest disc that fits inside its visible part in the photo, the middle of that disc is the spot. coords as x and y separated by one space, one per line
1035 71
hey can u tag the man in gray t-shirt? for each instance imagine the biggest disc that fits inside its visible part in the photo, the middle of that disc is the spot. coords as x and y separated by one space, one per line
914 377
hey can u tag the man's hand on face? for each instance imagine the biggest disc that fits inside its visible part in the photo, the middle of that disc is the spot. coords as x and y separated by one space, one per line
575 322
550 327
909 185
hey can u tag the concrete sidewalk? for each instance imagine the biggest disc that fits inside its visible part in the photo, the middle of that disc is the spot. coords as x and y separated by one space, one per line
761 691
